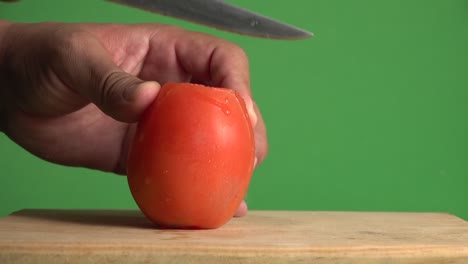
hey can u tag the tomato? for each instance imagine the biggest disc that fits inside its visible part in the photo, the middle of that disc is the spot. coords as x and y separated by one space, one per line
192 156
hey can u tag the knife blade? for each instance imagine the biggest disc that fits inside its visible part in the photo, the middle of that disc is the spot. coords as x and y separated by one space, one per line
221 15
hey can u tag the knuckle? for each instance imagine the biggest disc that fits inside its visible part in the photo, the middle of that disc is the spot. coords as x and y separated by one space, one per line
168 28
237 51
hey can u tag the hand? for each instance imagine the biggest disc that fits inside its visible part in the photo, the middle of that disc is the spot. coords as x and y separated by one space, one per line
72 93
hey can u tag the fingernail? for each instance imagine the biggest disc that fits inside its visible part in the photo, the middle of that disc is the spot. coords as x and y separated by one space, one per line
132 91
251 111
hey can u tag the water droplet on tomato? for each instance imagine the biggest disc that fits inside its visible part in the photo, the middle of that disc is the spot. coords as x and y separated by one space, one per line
222 105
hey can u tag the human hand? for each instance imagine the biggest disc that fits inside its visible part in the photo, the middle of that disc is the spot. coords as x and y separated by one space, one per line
72 93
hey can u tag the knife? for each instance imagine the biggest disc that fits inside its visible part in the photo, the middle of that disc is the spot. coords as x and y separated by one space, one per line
221 15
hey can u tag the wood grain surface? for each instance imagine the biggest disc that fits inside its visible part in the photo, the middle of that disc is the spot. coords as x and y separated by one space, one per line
125 236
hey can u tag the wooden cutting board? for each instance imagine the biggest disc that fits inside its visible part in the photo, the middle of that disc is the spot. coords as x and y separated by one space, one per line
125 236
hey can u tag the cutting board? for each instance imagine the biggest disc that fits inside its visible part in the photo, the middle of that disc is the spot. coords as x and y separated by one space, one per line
125 236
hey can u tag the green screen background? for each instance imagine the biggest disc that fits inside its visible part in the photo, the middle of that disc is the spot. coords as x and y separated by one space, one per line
369 115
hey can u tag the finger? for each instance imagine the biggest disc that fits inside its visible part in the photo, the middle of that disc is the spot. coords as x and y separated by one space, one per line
220 63
261 138
241 210
90 71
213 61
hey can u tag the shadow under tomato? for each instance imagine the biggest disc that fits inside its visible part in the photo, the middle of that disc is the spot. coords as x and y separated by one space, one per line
94 217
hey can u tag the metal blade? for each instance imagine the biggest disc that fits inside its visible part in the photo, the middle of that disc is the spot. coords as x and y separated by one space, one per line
220 15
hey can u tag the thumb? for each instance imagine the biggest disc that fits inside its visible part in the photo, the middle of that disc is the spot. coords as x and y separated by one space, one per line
122 96
94 75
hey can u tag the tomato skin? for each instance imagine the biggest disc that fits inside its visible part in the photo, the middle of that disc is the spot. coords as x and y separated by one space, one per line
192 157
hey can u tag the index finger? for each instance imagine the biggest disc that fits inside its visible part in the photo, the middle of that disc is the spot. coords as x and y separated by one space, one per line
213 60
216 62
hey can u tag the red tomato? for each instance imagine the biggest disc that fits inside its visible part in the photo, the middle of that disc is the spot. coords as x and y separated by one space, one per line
192 156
